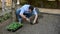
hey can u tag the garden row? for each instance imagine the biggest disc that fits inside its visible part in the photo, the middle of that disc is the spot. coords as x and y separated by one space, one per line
5 17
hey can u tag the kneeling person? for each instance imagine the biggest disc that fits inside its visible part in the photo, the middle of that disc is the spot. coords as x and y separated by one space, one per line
26 12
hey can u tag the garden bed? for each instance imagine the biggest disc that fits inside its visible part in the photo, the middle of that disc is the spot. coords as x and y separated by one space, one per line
5 17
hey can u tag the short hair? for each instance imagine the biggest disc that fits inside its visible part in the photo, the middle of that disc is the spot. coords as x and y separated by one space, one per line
31 7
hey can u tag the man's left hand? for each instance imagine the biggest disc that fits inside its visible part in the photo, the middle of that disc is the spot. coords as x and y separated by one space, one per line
34 22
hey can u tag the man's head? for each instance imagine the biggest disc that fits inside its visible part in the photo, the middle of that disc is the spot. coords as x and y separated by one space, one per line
31 8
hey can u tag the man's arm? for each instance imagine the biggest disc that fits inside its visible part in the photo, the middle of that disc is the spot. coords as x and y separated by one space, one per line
36 16
35 19
23 16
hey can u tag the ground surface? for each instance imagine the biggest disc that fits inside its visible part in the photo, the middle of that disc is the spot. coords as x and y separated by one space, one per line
48 24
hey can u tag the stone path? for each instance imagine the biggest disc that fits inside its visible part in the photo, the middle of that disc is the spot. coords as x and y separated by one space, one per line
51 11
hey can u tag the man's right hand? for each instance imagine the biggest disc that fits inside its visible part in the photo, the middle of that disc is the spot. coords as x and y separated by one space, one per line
28 19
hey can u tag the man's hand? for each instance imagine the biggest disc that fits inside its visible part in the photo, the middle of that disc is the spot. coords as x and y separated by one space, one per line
28 19
34 21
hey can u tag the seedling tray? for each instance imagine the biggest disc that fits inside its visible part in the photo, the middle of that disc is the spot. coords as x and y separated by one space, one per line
14 26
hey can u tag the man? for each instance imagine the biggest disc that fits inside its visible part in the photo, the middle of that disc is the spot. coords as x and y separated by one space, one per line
26 12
